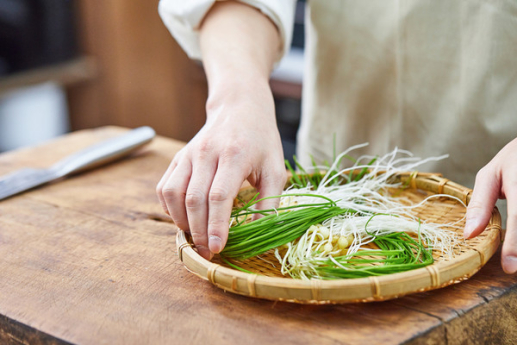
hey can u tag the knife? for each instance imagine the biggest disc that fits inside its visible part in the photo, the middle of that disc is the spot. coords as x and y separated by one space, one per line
91 157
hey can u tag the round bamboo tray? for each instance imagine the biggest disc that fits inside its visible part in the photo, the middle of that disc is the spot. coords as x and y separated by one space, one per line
268 283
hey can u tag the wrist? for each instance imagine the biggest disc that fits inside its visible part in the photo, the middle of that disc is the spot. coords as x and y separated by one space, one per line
246 91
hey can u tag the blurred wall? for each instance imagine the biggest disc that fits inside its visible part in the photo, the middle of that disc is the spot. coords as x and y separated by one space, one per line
144 78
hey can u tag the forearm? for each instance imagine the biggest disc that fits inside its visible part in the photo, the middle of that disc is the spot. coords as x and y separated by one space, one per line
240 46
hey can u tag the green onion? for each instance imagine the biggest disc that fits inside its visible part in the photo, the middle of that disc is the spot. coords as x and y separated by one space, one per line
275 229
327 221
398 252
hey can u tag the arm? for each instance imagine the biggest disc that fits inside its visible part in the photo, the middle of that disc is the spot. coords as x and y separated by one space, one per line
497 179
240 139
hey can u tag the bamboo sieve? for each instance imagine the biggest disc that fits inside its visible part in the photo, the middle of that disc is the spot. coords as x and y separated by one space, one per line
268 283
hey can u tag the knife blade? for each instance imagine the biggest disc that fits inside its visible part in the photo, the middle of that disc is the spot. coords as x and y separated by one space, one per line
91 157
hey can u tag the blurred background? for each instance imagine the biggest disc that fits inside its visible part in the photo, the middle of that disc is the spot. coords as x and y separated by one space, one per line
67 65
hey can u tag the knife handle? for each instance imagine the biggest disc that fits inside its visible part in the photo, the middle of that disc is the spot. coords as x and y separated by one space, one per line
104 152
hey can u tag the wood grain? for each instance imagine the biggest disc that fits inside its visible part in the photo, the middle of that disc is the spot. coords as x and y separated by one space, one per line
91 260
144 77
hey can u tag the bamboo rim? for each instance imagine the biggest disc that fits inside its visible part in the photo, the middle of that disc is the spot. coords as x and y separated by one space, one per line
472 255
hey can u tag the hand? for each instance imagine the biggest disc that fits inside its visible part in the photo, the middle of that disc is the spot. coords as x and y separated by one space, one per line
239 141
498 179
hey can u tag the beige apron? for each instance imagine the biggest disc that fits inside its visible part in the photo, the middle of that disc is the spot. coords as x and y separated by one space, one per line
432 77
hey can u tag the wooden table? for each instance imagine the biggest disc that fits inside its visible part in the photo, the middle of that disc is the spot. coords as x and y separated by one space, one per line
91 260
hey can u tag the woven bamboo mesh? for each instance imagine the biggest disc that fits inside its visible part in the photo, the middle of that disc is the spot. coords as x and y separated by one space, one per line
267 282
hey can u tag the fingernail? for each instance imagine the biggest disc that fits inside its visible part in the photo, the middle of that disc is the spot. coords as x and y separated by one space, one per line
215 244
470 225
204 252
510 264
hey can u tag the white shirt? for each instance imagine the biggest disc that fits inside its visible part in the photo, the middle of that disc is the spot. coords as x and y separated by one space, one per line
183 17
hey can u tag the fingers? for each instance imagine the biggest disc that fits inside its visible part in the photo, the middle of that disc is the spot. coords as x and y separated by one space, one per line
497 179
225 187
173 192
183 194
196 202
163 181
485 194
509 252
270 185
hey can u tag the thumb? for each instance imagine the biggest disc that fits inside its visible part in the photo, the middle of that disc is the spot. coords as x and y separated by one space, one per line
486 192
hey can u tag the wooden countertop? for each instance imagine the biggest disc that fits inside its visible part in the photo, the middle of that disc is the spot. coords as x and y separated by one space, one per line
91 260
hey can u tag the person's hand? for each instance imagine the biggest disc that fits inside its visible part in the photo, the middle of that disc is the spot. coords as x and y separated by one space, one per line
498 179
239 141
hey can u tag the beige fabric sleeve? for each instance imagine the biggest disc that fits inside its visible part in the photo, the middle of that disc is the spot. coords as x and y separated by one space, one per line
182 18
